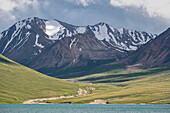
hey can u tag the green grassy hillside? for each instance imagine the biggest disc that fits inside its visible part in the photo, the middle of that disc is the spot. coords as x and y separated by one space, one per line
19 83
118 86
129 86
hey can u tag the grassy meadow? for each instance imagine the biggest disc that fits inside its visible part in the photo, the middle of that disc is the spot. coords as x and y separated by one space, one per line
128 86
117 86
19 83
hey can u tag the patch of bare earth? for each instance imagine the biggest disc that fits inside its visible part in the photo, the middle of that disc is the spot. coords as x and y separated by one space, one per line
99 101
80 92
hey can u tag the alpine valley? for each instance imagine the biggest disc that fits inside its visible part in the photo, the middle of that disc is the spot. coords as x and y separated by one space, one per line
62 50
109 65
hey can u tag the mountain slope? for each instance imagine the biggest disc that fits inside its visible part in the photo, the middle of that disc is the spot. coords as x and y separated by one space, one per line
19 83
53 47
155 52
142 77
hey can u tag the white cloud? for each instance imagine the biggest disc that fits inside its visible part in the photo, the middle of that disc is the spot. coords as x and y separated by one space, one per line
5 15
13 10
152 7
82 2
10 5
7 5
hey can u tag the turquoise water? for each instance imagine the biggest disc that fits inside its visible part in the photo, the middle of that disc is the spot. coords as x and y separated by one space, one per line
83 108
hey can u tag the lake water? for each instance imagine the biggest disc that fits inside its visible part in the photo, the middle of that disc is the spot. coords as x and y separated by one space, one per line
83 108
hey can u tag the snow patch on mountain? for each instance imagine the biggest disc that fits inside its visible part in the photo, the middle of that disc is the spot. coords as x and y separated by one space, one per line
39 51
30 19
20 24
52 27
25 40
81 30
36 42
15 33
35 53
26 36
28 26
18 27
100 32
72 42
120 31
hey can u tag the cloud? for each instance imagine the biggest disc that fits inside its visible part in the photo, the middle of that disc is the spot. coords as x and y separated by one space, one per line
153 7
5 15
77 12
8 7
14 10
82 2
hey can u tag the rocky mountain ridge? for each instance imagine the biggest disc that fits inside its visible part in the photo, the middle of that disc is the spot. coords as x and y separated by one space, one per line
50 46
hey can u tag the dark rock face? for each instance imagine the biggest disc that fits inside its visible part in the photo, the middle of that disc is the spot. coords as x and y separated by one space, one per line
74 50
58 49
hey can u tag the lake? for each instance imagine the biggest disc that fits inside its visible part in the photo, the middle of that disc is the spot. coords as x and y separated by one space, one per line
83 108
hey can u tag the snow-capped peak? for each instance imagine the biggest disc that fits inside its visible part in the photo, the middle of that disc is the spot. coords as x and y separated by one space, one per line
100 31
81 30
123 39
120 38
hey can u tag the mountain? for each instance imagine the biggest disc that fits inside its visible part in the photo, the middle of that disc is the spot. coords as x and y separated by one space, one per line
19 83
142 77
155 53
58 49
150 59
127 85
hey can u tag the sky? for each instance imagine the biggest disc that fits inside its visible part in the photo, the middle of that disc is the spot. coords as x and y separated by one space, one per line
152 16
